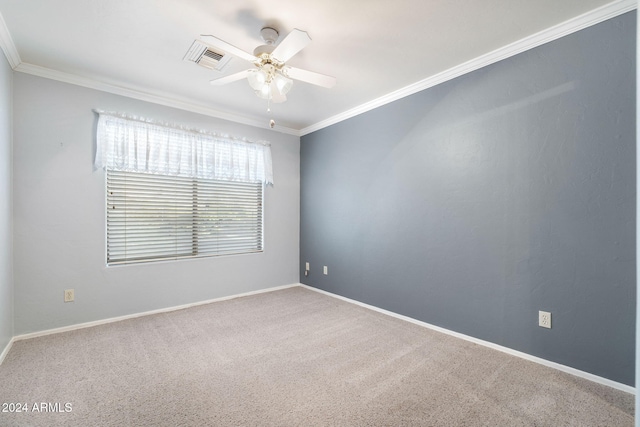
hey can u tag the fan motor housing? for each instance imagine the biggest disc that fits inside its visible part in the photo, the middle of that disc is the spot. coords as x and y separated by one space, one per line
269 35
265 48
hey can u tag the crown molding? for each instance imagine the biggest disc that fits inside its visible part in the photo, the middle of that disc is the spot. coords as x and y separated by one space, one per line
611 10
13 57
7 45
137 93
573 25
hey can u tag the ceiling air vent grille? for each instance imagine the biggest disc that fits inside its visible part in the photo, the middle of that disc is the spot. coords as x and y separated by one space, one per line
203 55
213 55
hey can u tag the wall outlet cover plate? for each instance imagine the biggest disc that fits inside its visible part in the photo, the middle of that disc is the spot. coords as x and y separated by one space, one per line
544 319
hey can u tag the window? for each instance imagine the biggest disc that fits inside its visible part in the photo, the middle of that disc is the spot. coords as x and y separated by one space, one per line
155 217
178 193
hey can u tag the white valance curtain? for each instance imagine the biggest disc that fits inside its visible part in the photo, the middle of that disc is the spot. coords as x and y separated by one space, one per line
138 145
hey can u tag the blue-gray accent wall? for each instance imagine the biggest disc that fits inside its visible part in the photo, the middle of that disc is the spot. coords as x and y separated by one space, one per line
474 204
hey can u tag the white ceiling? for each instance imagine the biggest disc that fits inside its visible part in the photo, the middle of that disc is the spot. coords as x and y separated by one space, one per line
374 48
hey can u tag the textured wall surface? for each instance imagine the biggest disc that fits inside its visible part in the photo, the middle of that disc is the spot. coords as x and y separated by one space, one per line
59 216
6 275
637 423
476 203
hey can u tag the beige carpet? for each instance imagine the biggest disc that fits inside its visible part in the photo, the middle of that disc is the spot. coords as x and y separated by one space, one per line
289 358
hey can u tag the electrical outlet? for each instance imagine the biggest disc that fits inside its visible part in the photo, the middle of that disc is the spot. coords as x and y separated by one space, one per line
68 295
306 266
544 319
325 270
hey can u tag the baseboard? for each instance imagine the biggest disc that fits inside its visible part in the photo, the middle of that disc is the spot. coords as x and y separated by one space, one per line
6 350
548 363
558 366
135 315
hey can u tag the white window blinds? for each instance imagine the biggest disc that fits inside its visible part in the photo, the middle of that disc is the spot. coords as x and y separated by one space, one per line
154 217
174 193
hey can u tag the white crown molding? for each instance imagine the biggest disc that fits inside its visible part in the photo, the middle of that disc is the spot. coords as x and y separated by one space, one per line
7 45
573 25
578 23
137 93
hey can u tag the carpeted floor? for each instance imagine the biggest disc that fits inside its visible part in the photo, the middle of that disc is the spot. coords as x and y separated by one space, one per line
288 358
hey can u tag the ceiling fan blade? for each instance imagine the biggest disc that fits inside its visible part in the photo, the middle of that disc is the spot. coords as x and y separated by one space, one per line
295 41
229 48
230 78
310 77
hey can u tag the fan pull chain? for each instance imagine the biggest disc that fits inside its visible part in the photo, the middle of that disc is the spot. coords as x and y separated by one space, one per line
272 122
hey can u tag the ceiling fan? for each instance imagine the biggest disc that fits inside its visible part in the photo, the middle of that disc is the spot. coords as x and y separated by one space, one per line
271 78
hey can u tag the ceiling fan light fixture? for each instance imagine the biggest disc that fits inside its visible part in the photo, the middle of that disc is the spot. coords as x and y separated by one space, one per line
264 92
271 79
257 79
283 83
269 83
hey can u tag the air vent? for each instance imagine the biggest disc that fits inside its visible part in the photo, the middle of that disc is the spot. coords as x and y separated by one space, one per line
213 55
203 55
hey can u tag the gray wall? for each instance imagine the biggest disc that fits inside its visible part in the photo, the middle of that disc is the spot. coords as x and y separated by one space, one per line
476 203
6 275
637 423
59 216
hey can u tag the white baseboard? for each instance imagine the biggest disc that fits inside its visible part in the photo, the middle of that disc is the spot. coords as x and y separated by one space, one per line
548 363
6 350
146 313
563 368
